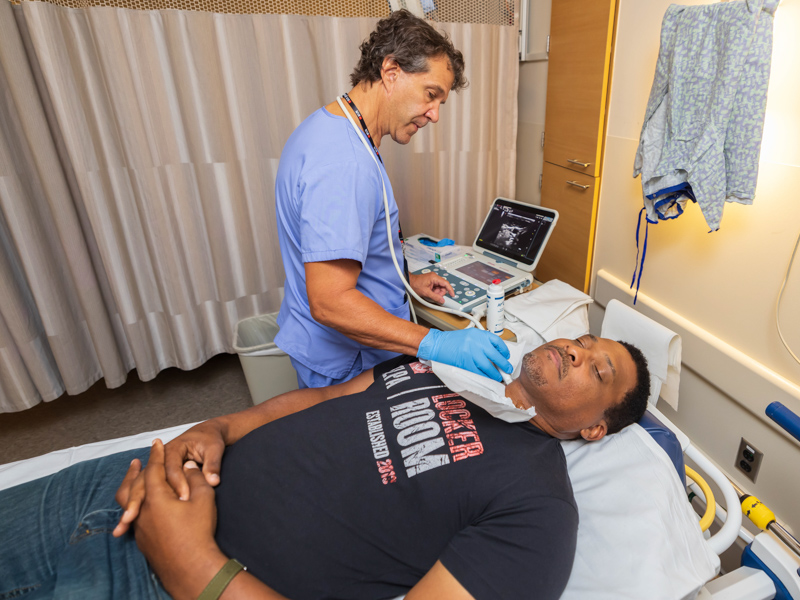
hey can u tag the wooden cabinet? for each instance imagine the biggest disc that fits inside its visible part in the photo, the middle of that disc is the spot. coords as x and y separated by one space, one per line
569 249
581 36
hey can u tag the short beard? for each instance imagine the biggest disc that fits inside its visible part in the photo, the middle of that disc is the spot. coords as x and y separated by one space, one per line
533 370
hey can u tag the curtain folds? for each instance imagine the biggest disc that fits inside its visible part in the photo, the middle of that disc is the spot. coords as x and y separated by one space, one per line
138 152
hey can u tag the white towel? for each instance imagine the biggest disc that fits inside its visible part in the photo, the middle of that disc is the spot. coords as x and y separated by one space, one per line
553 310
660 346
487 393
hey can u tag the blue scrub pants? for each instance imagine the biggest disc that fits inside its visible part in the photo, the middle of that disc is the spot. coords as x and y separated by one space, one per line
56 542
365 359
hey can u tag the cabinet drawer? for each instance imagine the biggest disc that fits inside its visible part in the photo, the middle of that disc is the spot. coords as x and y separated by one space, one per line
568 255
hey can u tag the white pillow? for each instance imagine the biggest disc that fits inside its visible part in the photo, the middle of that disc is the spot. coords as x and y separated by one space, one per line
638 535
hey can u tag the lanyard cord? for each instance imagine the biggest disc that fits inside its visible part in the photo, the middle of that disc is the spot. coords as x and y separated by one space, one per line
363 124
378 154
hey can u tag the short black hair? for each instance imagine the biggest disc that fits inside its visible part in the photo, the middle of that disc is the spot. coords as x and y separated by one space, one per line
633 405
411 41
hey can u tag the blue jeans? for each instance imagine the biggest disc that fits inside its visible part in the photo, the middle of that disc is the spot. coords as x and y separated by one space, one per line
56 542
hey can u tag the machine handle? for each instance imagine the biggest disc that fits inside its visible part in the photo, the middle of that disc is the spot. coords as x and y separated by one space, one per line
576 184
577 162
785 418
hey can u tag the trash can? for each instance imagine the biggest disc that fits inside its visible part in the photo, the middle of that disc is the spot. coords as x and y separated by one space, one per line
266 367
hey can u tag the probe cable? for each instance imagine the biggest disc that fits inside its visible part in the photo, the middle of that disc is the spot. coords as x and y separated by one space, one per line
475 321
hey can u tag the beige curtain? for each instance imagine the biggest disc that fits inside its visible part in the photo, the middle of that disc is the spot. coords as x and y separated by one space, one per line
138 151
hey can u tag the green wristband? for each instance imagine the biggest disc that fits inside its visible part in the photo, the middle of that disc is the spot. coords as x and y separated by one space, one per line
221 580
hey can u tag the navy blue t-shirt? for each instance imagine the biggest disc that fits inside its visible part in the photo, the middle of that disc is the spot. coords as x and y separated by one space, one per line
358 497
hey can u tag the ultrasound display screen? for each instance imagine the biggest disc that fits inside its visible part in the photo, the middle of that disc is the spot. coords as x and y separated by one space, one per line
515 231
483 272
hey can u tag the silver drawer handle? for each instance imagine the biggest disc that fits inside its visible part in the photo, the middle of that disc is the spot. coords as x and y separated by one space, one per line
576 184
577 162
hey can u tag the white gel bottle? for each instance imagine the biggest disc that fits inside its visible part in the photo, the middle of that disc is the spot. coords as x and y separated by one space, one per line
495 309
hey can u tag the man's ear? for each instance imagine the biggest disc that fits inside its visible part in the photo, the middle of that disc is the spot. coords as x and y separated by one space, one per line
390 71
595 432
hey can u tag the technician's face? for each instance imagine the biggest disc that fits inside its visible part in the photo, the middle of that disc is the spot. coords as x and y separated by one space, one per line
573 382
417 97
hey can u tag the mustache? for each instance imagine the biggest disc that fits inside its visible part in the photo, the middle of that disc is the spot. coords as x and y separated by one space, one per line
565 362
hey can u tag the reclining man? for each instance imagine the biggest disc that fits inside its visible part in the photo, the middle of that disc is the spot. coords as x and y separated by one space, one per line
398 486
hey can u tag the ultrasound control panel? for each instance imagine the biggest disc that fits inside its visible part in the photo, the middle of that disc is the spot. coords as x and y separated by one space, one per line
468 295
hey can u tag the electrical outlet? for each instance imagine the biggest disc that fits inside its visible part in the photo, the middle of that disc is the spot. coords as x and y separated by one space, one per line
748 460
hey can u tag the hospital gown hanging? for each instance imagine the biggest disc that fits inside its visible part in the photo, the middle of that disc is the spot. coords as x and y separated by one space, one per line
704 120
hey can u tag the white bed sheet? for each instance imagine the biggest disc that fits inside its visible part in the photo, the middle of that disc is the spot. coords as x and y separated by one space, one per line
21 471
638 535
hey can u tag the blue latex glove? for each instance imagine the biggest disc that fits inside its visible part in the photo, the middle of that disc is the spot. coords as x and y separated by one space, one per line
440 244
471 349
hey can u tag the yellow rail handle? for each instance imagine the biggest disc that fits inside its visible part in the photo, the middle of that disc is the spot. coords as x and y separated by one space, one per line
711 504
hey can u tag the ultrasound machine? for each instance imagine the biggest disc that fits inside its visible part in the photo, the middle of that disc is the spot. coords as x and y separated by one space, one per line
507 247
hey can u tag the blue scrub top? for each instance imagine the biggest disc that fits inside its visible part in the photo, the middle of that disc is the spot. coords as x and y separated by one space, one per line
329 206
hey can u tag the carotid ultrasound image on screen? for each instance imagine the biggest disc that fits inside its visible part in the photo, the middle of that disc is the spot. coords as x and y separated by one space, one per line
515 232
514 237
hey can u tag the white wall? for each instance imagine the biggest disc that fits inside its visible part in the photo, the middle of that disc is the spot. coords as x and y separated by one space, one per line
724 283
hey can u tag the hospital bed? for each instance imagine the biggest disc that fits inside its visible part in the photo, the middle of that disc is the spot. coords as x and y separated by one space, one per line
638 537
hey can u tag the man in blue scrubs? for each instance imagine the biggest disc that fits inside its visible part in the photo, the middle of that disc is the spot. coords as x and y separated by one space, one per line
345 308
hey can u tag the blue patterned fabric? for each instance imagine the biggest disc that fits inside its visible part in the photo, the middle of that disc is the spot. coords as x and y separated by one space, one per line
703 125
